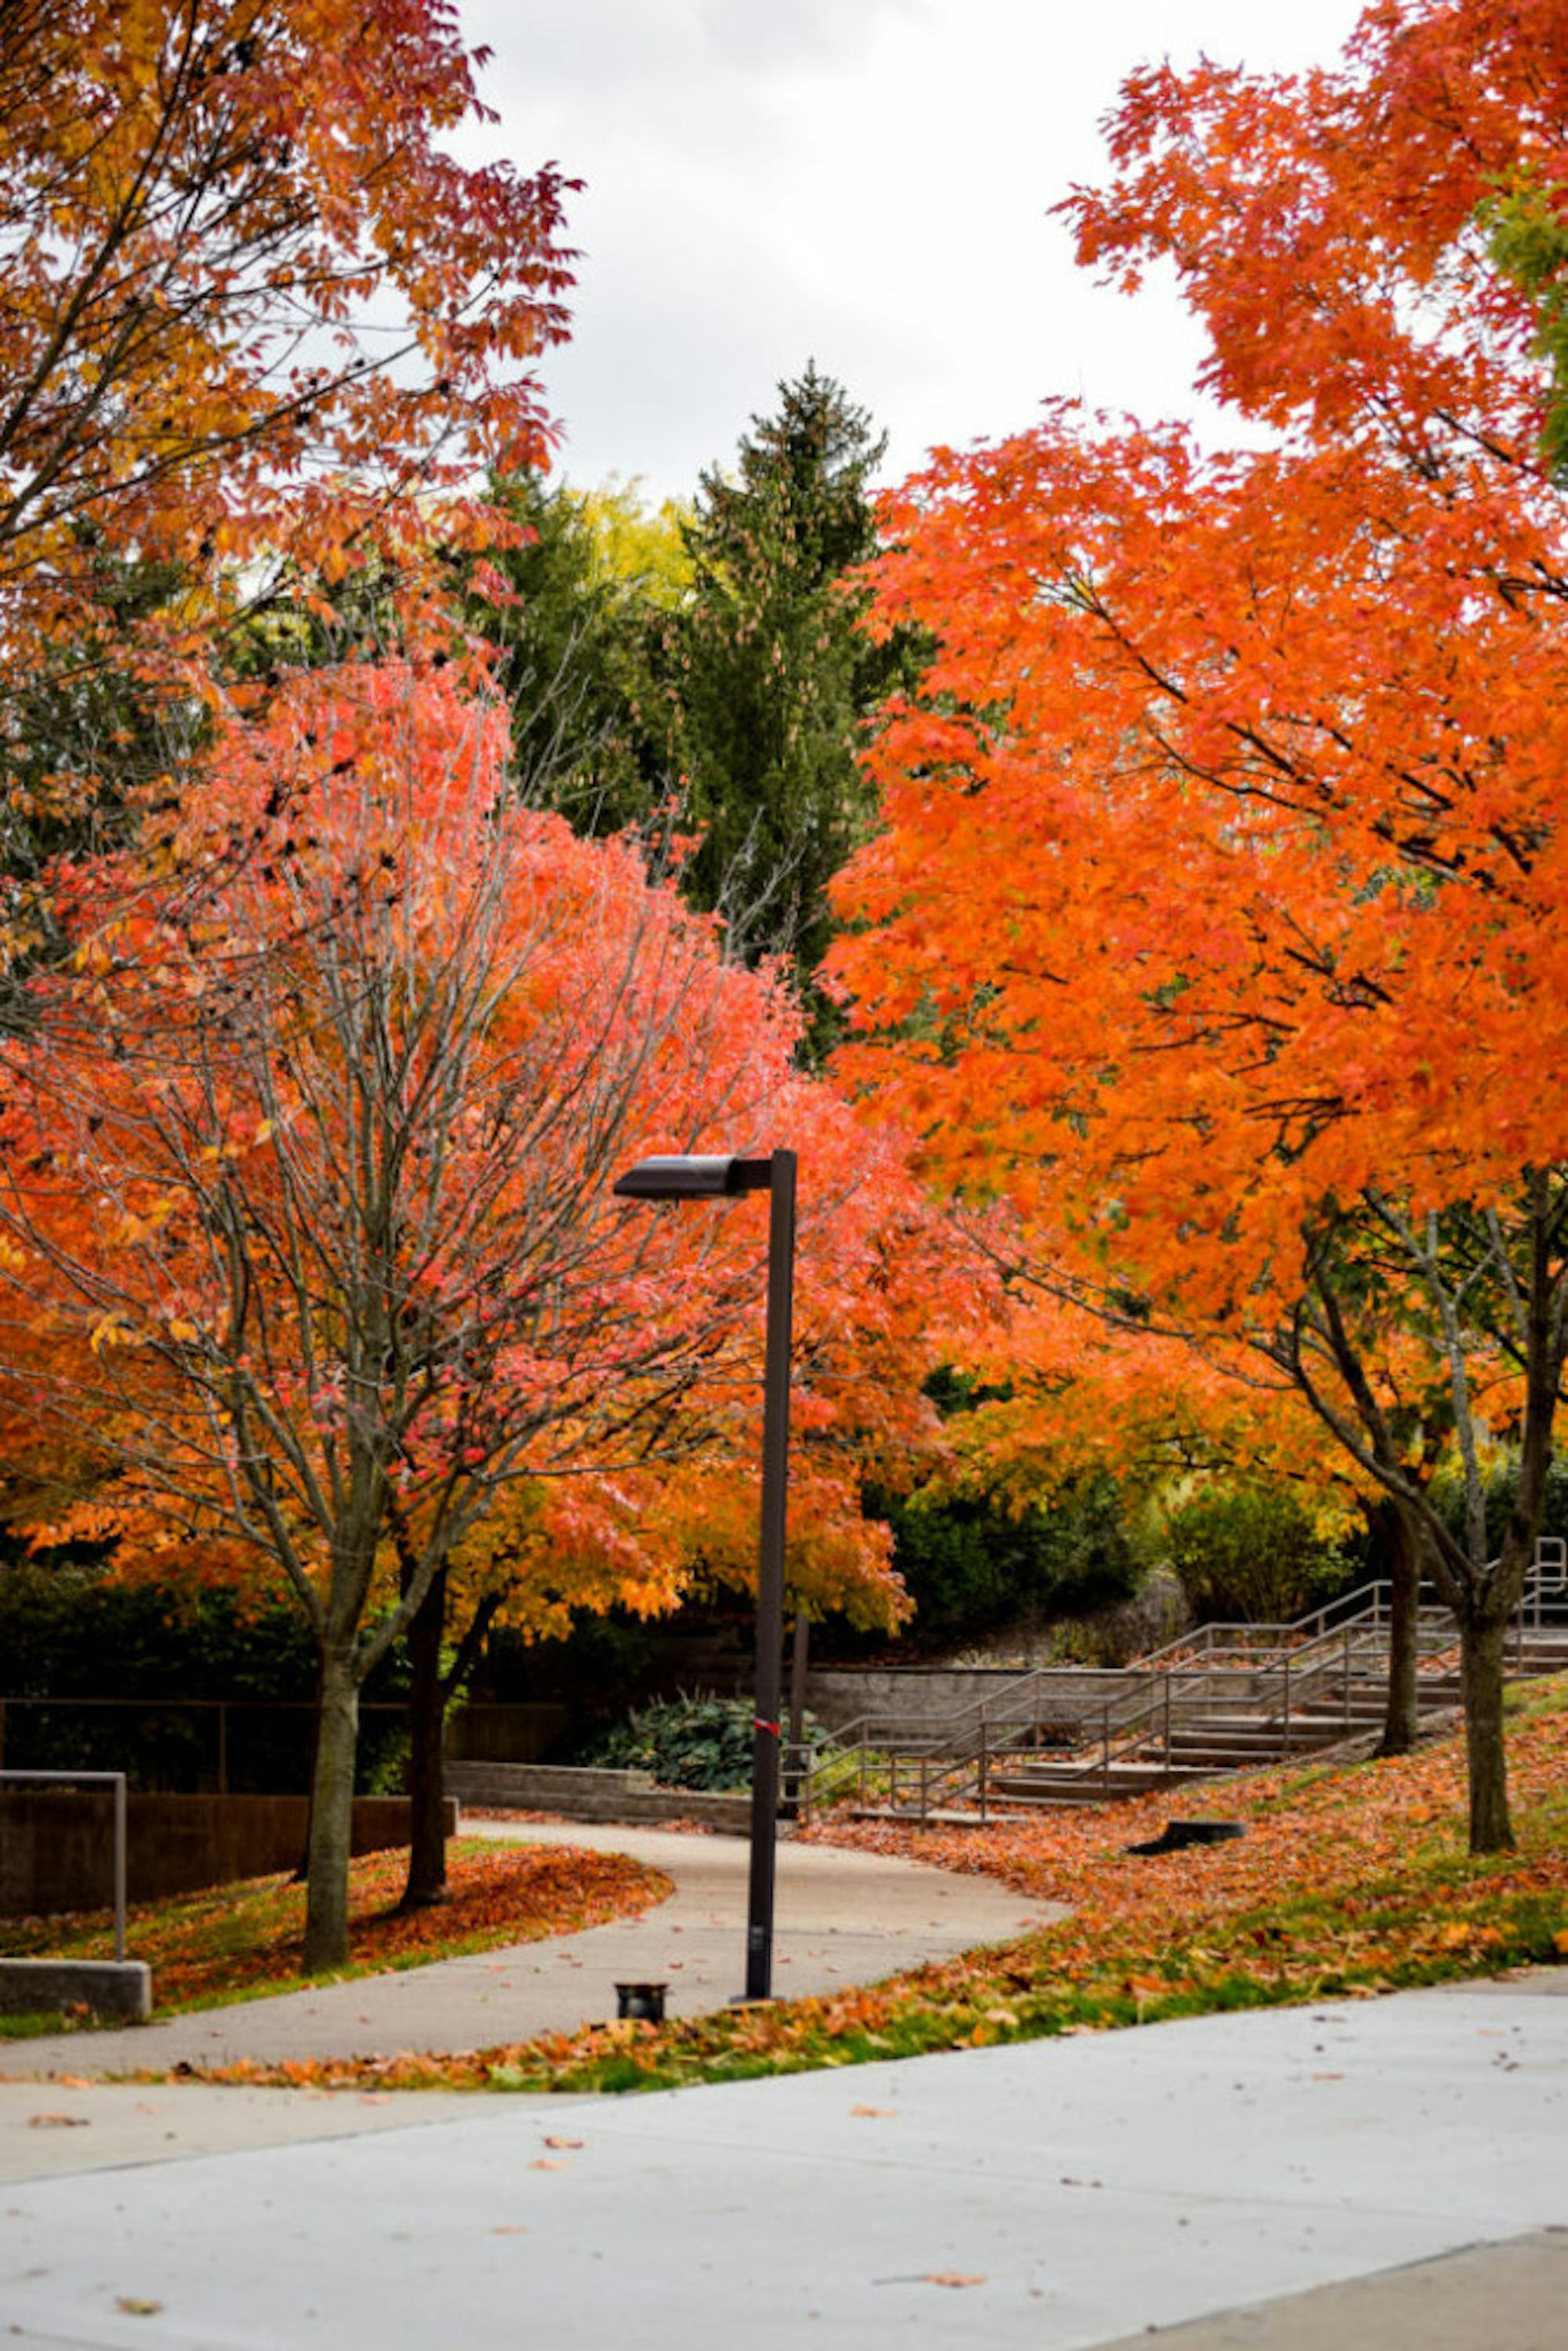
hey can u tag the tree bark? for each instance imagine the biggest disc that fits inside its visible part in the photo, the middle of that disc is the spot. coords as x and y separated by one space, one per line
426 1724
798 1664
1482 1639
303 1870
332 1814
1402 1714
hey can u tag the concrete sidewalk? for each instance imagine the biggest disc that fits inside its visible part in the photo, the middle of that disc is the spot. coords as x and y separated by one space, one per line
842 1917
1377 2173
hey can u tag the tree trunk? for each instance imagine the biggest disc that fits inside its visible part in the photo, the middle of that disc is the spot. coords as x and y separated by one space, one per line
302 1872
1482 1639
426 1723
1401 1714
798 1664
333 1815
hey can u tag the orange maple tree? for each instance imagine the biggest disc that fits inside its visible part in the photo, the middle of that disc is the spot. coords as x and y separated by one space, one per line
1213 923
307 1218
254 314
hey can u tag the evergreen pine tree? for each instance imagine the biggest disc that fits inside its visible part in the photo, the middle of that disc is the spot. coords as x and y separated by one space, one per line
778 683
589 661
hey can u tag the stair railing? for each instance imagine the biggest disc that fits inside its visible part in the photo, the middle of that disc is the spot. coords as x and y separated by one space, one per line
1290 1668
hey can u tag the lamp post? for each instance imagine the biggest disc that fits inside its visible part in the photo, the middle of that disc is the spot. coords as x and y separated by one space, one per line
699 1178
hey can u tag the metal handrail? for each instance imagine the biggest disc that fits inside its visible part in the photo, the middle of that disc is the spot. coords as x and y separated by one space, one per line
1286 1668
1548 1573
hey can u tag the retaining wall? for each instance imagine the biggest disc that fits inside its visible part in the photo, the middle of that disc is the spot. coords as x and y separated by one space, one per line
838 1695
591 1795
122 1989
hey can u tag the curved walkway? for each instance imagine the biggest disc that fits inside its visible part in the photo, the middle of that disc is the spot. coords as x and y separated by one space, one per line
842 1917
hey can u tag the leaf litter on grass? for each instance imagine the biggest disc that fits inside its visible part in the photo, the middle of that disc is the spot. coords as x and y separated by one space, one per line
1350 1882
238 1941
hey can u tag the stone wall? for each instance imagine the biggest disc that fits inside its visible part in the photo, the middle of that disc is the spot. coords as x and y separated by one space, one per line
627 1797
840 1694
56 1847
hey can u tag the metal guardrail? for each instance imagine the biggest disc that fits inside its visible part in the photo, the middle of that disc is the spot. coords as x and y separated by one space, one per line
115 1779
1291 1679
185 1745
1546 1579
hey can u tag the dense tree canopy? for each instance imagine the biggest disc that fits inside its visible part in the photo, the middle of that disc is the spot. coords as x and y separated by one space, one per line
588 641
1213 921
776 683
252 312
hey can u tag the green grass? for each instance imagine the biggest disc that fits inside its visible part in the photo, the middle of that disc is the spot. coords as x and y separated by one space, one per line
28 2028
233 1943
1353 1881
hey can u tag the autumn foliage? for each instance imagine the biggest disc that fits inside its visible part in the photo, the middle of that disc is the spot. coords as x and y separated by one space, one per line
252 312
309 1240
353 979
247 1939
1213 925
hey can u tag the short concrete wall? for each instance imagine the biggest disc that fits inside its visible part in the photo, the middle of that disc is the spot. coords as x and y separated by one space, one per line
56 1847
838 1694
589 1795
117 1987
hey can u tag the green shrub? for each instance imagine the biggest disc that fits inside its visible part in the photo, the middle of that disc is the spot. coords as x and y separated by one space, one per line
1499 1486
973 1565
1158 1612
110 1675
1252 1554
686 1742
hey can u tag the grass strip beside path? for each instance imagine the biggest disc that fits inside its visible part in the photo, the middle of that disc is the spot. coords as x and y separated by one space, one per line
241 1942
1350 1881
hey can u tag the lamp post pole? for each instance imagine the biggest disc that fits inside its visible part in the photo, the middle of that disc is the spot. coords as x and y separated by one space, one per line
690 1178
766 1734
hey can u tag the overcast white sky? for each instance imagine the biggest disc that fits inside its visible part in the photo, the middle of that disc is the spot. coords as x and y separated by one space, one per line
863 183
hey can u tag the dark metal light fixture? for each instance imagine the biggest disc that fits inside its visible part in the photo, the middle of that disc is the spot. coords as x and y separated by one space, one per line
687 1178
699 1178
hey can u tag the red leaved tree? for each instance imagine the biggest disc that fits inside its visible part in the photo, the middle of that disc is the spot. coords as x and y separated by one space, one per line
308 1167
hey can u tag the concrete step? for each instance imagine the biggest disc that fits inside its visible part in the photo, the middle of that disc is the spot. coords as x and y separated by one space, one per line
1090 1782
1216 1743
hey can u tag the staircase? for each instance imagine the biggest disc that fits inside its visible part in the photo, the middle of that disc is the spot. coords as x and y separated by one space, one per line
1223 1699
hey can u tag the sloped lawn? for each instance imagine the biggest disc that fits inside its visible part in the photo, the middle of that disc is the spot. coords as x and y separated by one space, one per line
1350 1881
239 1942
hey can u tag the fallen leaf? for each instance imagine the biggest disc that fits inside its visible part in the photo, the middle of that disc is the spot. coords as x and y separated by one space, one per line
136 2308
508 2229
563 2142
874 2110
543 2163
954 2277
56 2122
